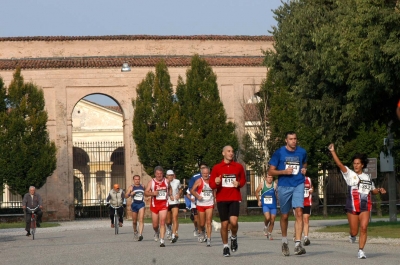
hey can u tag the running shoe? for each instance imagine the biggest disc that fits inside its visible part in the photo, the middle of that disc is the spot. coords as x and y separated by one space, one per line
361 254
306 241
162 245
269 236
169 233
352 239
136 236
208 242
234 244
299 250
28 233
285 249
140 238
195 233
200 238
174 239
226 252
156 236
265 231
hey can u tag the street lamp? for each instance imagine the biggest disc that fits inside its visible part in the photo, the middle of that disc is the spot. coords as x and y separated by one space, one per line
125 67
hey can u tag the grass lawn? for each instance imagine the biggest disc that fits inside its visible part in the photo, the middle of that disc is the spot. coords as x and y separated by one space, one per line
375 229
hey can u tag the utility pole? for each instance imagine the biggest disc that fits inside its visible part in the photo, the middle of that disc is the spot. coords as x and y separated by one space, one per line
387 165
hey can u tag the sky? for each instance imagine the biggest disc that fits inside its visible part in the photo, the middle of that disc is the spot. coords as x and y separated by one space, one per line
136 17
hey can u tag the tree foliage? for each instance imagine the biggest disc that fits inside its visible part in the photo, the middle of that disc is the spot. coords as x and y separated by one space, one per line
340 62
27 155
178 131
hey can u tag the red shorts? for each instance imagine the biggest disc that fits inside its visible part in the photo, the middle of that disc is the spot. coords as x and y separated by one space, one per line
202 209
156 210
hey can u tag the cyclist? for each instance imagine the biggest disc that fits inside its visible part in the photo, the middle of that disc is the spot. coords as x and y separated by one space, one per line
32 200
116 198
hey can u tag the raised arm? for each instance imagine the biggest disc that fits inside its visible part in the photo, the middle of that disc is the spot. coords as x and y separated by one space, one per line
342 168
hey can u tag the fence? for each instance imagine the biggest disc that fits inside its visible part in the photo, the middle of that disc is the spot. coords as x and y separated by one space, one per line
97 167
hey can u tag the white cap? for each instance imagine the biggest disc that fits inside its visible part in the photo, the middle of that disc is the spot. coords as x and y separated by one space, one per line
170 172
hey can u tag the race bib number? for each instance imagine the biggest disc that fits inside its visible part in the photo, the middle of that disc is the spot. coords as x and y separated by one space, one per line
138 196
227 181
162 195
206 194
294 165
268 200
365 187
306 193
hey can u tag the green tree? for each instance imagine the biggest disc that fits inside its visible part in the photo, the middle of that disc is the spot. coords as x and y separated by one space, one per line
27 155
155 124
205 130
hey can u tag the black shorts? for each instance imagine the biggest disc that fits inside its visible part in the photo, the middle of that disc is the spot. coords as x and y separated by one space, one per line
228 209
307 210
172 206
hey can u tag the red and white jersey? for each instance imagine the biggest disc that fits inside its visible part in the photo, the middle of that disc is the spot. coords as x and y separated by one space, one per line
161 200
206 192
307 193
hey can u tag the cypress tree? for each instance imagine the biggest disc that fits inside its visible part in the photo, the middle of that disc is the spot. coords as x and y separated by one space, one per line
27 155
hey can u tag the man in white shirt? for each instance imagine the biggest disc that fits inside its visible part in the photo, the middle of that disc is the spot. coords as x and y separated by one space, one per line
173 208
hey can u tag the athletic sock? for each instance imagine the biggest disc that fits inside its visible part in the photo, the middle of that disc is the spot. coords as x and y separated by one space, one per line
233 237
226 246
297 243
161 240
284 240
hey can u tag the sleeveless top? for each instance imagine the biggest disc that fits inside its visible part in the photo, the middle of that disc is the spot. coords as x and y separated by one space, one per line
307 194
161 200
268 197
206 192
138 197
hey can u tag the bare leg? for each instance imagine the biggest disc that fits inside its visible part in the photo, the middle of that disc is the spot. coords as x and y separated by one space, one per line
155 222
233 220
175 223
353 223
299 223
284 224
209 214
306 224
364 220
141 220
162 216
271 223
224 232
134 221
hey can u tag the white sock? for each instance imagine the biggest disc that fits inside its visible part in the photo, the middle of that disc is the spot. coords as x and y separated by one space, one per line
226 246
161 240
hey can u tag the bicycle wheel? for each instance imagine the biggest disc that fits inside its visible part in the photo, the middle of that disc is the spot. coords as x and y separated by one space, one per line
33 228
116 223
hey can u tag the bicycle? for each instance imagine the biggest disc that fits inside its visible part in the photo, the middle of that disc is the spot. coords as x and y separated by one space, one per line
33 221
116 219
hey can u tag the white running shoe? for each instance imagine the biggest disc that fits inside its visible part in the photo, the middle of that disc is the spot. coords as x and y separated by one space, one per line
265 231
361 254
195 233
156 236
169 234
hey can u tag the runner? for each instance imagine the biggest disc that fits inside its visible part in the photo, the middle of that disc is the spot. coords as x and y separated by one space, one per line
205 203
290 163
173 208
358 201
136 192
193 213
308 190
267 201
228 177
159 189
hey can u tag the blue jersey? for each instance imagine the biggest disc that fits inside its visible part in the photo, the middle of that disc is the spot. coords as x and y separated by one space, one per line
193 180
139 194
283 159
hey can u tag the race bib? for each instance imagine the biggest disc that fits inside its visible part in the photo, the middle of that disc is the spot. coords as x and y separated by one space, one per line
294 165
206 194
138 196
365 186
306 193
268 200
162 195
227 181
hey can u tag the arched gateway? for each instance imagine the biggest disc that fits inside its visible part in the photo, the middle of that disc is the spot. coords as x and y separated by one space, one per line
70 68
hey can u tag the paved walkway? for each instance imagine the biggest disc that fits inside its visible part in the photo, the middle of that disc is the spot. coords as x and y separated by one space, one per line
94 242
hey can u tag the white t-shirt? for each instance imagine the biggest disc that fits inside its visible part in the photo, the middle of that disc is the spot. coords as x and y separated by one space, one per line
363 181
175 186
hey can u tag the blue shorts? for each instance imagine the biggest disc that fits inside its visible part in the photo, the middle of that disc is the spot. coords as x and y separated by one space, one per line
135 207
266 209
291 197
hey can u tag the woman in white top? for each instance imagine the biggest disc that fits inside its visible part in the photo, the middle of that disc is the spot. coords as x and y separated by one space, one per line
358 201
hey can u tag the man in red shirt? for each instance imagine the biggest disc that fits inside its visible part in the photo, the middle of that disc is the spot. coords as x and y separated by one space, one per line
227 178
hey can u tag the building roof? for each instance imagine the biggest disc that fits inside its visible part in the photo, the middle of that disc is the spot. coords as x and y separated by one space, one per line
139 37
133 61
